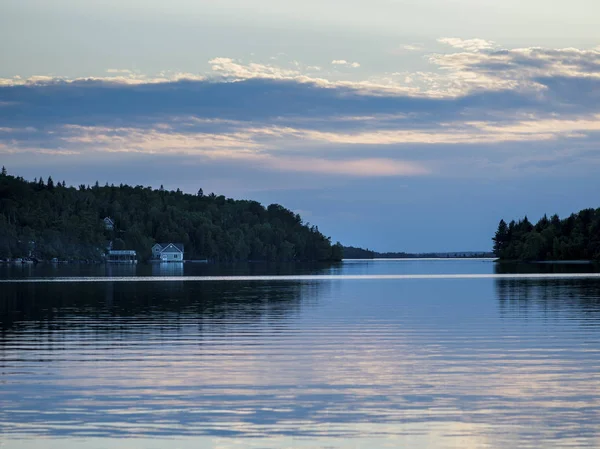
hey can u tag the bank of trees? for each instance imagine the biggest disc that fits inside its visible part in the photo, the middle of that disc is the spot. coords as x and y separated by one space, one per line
574 238
47 219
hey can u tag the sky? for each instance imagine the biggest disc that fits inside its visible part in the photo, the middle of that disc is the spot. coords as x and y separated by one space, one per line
397 125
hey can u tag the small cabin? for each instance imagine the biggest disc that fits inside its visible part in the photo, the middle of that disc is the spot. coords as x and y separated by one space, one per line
168 252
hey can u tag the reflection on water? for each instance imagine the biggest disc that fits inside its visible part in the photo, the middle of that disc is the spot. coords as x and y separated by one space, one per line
447 363
11 271
167 269
541 267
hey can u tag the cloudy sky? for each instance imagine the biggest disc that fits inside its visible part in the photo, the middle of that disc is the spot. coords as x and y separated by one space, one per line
407 125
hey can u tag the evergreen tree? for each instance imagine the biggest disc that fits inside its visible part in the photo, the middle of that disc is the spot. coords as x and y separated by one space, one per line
500 238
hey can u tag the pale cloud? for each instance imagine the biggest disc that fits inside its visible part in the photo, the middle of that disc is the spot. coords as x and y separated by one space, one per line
117 77
455 133
478 66
124 71
370 167
456 74
467 44
413 47
478 96
264 147
237 70
543 127
519 68
524 63
246 147
343 62
159 141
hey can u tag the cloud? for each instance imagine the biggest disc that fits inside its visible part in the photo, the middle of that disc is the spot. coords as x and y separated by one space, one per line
117 77
343 62
232 69
235 147
357 167
517 69
467 44
413 47
285 119
125 71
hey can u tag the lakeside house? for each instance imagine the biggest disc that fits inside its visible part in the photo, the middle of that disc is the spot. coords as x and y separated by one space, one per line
122 256
168 252
109 223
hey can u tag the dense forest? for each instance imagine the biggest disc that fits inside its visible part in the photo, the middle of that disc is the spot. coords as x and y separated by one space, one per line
574 238
44 220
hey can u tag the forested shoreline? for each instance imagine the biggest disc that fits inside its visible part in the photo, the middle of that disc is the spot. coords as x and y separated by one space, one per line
44 219
576 237
351 252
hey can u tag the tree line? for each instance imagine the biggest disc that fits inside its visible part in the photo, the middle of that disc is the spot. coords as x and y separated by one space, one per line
351 252
45 219
576 237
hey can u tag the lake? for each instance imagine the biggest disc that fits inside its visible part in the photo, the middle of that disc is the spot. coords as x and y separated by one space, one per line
362 354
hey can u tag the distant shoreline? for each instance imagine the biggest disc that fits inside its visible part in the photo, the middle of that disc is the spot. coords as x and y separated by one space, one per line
420 258
548 262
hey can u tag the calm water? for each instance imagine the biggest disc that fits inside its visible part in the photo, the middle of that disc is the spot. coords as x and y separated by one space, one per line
317 357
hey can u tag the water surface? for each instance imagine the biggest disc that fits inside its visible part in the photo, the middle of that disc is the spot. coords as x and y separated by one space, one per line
326 356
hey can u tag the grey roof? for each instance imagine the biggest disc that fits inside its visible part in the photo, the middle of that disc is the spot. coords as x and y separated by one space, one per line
179 246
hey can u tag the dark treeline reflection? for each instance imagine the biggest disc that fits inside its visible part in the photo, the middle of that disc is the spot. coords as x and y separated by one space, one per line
581 296
576 294
11 271
54 305
542 267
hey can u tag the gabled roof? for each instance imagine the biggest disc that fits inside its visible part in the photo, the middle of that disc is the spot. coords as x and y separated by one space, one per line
108 220
170 247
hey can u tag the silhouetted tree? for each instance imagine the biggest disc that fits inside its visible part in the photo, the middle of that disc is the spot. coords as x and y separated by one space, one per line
500 238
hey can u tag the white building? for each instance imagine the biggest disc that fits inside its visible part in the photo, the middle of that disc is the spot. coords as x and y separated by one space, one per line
109 223
168 252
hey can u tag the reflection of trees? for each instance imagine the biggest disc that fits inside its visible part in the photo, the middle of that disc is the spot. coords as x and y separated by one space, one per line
572 295
557 268
576 294
172 269
147 305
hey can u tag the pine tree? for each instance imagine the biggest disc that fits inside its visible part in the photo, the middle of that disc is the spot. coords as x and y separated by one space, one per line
500 238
